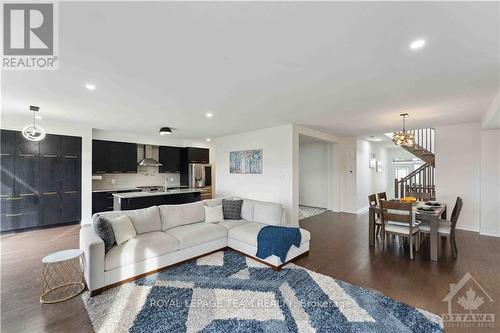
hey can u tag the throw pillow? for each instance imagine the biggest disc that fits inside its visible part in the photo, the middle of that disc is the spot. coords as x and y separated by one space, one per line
232 209
123 229
103 229
213 214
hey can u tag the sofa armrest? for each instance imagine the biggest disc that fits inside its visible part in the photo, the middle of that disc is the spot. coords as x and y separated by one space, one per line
93 248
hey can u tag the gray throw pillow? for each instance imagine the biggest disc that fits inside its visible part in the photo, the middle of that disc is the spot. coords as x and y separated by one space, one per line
103 229
231 209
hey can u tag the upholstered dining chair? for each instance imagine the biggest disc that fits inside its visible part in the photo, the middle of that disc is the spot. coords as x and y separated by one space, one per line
398 219
447 228
372 201
382 196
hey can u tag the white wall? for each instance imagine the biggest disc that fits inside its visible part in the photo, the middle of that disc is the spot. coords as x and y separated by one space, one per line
458 156
276 181
368 180
490 183
313 174
62 128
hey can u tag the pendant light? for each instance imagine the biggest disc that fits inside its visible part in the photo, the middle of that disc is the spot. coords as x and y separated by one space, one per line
34 132
403 137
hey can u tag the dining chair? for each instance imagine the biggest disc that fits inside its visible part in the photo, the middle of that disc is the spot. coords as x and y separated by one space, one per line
447 228
372 201
382 196
398 219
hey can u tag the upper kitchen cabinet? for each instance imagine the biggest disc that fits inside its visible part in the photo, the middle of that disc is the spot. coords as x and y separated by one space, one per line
101 161
170 157
25 147
198 155
50 146
7 142
123 157
71 146
113 157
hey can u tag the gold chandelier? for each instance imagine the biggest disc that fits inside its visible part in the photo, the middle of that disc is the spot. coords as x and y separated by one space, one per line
403 137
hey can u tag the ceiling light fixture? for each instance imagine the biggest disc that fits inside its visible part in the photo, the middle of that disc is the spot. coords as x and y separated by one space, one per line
38 117
34 132
208 139
165 131
404 137
209 115
417 44
90 86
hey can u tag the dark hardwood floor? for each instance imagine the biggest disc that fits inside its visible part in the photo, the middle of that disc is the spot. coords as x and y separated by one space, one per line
339 248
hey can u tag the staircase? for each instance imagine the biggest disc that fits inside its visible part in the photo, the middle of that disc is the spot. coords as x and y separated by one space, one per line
420 182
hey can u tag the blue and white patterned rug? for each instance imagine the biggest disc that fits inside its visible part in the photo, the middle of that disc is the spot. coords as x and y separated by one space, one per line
228 292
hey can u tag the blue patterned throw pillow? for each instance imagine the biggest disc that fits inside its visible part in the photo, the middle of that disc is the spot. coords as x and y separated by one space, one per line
231 209
103 229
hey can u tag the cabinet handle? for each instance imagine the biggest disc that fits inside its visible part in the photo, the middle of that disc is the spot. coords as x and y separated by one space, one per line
51 156
116 171
131 171
71 192
100 171
110 207
27 155
4 154
13 215
14 198
109 197
4 196
70 156
49 193
26 194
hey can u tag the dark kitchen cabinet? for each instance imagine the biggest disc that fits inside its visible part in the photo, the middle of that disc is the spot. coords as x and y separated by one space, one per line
114 157
100 156
100 202
198 155
40 173
170 158
123 157
25 147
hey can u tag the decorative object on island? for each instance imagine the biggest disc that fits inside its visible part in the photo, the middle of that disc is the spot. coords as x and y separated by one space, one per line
403 137
379 166
34 132
372 161
246 161
165 130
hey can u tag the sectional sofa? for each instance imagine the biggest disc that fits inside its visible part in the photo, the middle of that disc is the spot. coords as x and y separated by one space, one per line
171 234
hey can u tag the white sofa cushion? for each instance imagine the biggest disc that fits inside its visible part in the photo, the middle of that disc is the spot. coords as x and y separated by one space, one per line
144 220
142 247
213 214
267 213
247 209
198 233
229 224
177 215
123 229
213 202
248 232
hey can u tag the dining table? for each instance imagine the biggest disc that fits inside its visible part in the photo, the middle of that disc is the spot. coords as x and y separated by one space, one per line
431 217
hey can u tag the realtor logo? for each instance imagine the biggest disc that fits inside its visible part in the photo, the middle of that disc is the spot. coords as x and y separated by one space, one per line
468 305
29 36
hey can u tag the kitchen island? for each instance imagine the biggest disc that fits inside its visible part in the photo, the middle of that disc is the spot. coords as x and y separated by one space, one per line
136 200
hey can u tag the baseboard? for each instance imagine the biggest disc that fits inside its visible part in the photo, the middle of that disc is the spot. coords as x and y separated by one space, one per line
482 233
362 210
468 228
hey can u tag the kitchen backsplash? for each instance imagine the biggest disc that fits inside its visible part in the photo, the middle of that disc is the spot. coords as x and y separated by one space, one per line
145 176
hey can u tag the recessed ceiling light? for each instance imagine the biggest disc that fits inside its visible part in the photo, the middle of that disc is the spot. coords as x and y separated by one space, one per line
417 44
90 86
209 115
208 139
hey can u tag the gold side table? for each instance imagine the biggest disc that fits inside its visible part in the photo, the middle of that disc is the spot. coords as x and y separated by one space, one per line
62 276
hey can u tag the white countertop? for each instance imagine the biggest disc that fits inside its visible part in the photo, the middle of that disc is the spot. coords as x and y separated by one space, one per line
128 195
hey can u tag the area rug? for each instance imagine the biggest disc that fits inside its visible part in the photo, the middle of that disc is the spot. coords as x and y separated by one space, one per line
228 292
306 211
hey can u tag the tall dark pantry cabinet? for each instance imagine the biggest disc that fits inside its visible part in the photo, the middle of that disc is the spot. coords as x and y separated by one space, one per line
40 181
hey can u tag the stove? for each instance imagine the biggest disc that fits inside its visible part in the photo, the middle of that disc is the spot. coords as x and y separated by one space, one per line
153 188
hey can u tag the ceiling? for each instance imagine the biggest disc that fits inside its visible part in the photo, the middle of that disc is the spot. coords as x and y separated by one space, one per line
340 67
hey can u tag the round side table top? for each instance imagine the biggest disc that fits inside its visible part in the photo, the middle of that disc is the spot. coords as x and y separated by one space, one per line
62 256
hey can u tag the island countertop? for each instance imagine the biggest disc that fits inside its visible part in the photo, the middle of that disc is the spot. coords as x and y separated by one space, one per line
128 195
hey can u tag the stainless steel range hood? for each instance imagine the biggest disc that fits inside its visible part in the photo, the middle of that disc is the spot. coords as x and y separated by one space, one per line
148 159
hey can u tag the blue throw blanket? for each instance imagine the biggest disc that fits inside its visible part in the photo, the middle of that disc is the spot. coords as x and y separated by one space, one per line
277 240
